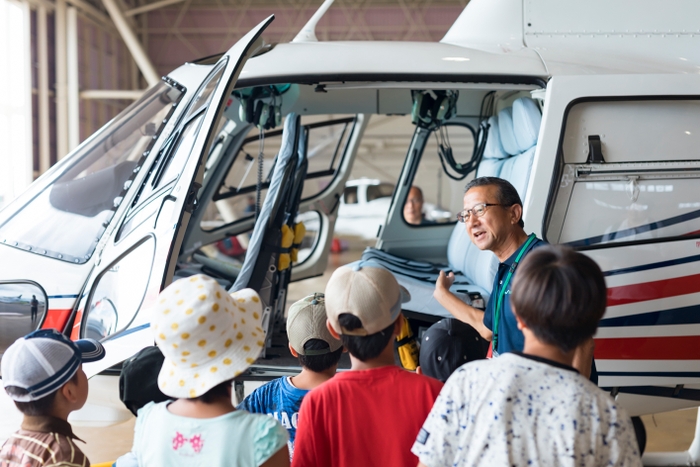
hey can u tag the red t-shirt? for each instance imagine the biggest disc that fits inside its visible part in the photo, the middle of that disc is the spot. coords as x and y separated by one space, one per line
364 418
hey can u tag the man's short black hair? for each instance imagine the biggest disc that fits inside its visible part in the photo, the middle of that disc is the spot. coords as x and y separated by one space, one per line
39 407
319 363
560 295
507 194
364 347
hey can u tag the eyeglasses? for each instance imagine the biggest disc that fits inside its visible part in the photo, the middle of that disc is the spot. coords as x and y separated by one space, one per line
477 210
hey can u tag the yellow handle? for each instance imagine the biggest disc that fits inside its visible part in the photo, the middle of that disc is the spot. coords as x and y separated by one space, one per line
408 350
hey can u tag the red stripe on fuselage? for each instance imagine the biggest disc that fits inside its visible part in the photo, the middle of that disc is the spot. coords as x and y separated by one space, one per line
56 319
635 293
648 348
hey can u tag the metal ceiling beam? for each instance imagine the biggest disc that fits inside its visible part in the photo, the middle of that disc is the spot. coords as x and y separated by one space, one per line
151 7
132 42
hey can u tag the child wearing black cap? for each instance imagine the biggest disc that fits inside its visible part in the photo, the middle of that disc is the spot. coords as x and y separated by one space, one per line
447 345
42 373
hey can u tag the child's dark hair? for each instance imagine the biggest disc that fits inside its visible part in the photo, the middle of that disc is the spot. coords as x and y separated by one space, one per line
319 363
560 295
39 407
220 391
363 347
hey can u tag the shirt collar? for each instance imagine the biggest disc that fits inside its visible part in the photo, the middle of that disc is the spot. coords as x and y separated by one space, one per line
48 424
511 258
547 361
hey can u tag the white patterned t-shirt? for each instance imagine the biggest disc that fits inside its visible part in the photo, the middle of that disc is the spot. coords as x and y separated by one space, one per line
522 410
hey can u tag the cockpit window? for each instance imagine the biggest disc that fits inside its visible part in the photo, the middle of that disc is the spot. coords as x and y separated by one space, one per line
67 217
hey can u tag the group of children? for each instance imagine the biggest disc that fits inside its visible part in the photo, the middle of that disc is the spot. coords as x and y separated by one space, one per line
529 408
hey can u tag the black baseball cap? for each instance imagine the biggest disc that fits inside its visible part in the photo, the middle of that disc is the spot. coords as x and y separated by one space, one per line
447 345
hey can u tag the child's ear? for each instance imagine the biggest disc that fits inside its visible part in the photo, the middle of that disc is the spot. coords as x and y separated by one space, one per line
418 370
292 351
398 324
331 330
521 325
70 392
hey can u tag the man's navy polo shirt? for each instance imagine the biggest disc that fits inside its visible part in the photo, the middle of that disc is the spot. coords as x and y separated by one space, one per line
510 338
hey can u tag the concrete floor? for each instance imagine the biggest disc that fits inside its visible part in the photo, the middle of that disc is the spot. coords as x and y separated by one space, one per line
671 431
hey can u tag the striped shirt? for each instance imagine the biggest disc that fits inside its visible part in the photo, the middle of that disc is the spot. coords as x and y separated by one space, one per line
42 441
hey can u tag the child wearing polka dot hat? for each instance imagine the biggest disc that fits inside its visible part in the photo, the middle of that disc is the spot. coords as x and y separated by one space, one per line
208 337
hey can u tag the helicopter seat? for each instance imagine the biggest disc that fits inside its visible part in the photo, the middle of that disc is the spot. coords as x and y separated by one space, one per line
260 268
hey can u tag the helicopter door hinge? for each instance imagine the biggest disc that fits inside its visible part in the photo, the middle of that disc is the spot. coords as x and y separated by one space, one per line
191 199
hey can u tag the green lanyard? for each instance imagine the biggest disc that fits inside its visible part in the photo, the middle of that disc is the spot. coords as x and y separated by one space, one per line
502 290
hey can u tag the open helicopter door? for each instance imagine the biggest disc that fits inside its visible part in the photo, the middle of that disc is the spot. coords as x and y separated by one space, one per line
615 176
140 258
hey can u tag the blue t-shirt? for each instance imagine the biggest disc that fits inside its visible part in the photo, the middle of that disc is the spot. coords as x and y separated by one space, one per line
510 338
280 400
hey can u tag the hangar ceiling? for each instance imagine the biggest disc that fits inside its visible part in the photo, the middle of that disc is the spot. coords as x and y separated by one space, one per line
96 56
179 30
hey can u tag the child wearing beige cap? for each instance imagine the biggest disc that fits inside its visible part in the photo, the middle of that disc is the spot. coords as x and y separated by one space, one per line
208 337
318 353
370 415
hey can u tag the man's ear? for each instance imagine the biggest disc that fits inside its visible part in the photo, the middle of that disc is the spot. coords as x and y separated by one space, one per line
292 351
516 213
331 330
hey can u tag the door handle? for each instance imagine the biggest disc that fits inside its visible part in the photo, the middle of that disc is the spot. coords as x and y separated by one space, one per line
165 198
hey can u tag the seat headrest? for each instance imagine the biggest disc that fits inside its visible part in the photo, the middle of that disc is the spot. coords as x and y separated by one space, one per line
526 122
505 128
494 148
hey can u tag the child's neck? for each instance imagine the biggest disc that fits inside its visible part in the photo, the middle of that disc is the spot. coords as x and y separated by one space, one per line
193 408
308 379
386 358
535 347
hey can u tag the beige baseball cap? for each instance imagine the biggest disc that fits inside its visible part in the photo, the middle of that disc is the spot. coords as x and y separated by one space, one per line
369 293
307 320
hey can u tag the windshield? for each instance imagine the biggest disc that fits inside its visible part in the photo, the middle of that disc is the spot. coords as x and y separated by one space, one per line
66 219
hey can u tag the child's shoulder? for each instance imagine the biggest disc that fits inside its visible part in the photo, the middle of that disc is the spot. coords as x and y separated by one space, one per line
29 445
152 407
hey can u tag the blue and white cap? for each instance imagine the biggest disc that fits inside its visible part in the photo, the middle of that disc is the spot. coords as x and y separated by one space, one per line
43 361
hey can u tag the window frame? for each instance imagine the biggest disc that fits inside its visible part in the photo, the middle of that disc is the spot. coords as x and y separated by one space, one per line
560 165
414 170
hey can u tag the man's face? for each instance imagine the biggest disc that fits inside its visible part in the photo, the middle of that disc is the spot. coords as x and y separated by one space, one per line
413 209
489 231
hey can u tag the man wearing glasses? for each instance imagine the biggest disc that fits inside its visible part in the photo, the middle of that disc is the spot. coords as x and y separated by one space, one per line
493 218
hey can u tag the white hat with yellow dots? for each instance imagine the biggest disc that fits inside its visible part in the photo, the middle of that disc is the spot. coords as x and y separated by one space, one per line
206 335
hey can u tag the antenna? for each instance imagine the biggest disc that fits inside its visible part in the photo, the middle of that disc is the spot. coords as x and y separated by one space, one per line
308 32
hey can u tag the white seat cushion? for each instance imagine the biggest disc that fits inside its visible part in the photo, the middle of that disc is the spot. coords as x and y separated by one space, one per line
506 131
526 122
517 170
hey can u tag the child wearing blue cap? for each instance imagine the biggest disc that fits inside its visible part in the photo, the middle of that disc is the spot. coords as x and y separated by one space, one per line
42 373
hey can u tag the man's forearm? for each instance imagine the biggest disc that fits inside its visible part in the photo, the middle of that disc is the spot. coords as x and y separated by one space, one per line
463 312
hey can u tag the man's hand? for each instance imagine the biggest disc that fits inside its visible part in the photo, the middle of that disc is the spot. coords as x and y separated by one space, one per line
443 283
457 308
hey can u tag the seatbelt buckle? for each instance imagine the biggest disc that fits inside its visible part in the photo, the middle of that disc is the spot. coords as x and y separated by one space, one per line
476 300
